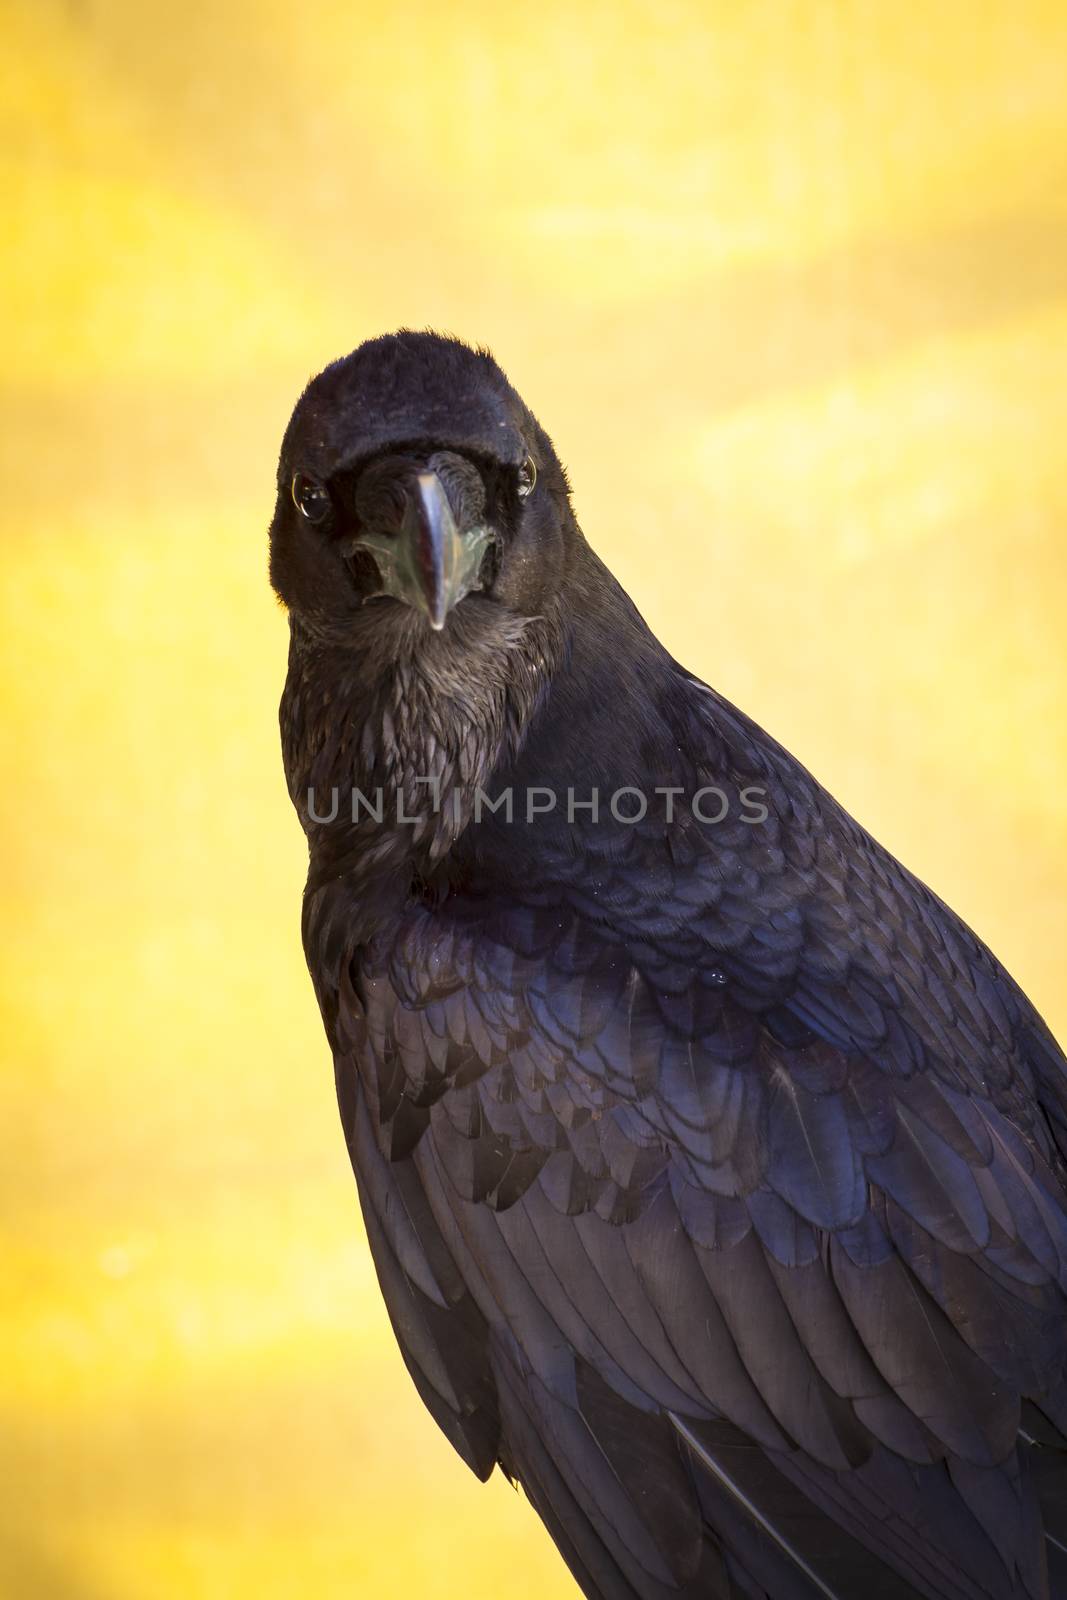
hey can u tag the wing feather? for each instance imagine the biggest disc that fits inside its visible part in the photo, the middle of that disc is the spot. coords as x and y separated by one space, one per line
724 1206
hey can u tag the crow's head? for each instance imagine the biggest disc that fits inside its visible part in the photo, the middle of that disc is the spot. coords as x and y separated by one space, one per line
412 481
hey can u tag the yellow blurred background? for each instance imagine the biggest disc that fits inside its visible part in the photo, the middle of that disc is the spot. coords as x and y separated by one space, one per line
788 285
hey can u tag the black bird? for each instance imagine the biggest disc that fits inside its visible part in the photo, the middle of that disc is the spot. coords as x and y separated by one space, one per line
715 1172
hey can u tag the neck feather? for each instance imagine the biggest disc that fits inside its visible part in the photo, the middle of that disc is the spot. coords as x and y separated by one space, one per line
386 741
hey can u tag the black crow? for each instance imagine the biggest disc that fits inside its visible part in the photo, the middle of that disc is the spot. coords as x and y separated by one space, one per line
714 1170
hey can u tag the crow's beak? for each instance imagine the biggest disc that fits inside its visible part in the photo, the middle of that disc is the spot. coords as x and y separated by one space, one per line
429 563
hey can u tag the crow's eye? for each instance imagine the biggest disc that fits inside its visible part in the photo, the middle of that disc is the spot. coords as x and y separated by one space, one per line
310 497
527 477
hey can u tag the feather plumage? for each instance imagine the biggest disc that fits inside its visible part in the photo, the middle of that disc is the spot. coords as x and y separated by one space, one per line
714 1172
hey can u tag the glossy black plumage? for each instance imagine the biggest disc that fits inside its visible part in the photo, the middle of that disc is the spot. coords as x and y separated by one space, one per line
714 1173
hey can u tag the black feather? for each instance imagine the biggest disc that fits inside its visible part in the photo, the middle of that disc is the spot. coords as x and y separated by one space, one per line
714 1173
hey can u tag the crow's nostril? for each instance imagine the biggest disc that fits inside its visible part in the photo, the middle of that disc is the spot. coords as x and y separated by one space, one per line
490 567
363 570
382 494
463 485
